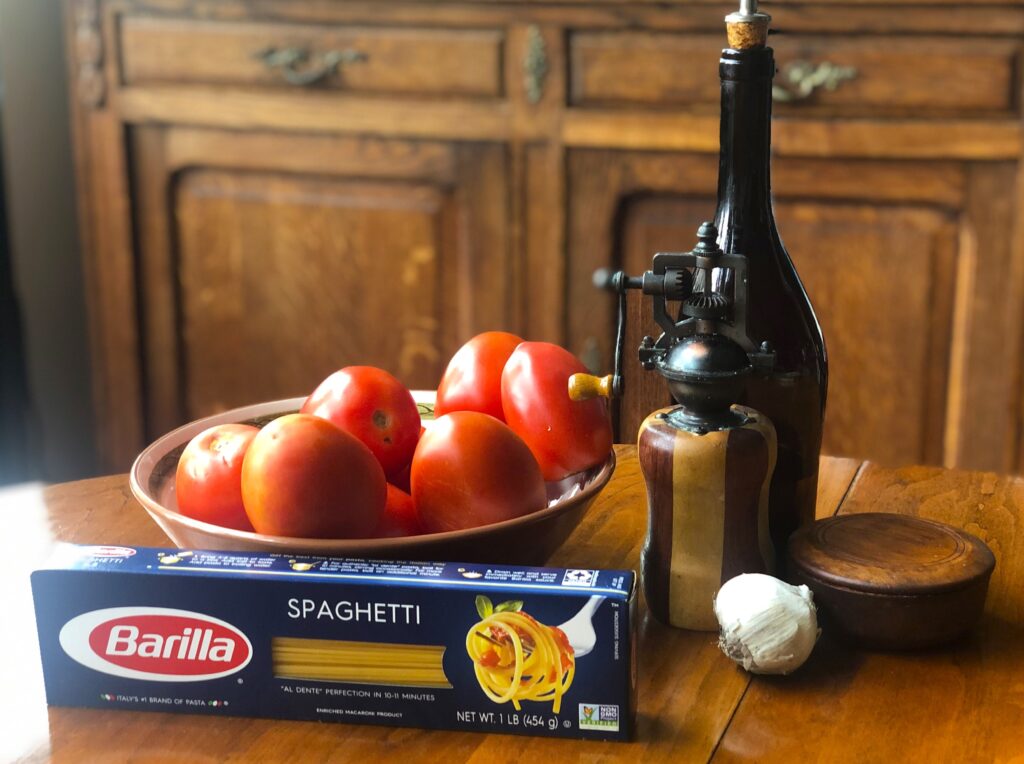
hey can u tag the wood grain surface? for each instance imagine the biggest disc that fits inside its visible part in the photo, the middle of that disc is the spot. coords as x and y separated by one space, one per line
886 554
955 704
422 62
959 703
620 68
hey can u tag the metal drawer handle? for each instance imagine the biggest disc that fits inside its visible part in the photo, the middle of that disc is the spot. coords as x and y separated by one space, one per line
799 80
535 64
294 63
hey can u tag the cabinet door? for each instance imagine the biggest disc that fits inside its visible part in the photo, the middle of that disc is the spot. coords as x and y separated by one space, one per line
880 273
270 261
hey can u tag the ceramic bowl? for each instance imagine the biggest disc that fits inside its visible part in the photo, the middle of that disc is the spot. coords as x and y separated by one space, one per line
527 540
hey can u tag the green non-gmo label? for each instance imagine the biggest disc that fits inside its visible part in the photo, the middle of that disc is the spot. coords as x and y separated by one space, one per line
594 716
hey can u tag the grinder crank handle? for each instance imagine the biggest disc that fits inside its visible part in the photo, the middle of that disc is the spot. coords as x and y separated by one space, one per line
583 387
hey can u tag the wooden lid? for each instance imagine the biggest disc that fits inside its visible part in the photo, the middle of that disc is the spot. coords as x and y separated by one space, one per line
890 554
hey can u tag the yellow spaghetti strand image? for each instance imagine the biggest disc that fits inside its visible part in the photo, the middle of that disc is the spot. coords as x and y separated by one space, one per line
516 658
328 660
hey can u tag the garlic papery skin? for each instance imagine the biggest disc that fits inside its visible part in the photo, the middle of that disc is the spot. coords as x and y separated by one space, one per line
767 626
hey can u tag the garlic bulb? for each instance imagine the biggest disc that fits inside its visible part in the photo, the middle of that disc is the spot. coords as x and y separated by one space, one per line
767 626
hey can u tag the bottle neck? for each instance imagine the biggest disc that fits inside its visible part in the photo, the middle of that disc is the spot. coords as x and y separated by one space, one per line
744 175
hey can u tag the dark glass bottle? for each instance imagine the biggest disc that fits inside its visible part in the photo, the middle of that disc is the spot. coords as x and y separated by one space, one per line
779 312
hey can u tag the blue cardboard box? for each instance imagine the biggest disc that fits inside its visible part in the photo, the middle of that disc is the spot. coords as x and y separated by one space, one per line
433 645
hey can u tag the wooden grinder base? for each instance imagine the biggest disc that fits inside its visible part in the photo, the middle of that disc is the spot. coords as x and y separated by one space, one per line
707 495
892 581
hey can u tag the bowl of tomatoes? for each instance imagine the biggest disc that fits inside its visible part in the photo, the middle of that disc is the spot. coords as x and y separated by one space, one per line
493 467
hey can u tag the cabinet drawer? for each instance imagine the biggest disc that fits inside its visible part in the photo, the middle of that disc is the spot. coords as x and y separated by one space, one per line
870 75
364 59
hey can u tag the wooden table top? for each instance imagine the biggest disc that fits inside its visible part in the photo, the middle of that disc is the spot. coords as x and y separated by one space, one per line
959 703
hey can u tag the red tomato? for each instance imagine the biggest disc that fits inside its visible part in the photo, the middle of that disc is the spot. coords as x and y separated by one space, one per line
304 477
208 483
472 381
401 480
469 470
399 518
565 436
375 407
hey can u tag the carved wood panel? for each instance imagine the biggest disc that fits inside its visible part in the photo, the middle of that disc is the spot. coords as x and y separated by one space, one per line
880 274
886 318
284 280
269 262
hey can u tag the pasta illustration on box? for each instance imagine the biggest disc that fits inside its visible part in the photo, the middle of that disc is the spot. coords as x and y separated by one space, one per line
434 645
516 658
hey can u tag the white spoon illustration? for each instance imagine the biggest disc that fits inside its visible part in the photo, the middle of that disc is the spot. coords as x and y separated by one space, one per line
579 628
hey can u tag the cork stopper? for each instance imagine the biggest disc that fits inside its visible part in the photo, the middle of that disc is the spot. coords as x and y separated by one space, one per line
747 28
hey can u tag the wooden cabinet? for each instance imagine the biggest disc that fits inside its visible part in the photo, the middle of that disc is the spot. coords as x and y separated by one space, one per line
270 193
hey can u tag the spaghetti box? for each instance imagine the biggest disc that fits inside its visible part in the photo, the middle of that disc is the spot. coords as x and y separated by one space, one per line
539 651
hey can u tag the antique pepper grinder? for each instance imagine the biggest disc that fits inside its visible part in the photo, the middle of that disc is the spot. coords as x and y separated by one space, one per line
707 462
746 332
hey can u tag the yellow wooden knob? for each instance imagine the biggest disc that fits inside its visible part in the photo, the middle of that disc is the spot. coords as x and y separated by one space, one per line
583 387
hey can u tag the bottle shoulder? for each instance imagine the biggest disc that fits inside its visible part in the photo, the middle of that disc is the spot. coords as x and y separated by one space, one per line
779 309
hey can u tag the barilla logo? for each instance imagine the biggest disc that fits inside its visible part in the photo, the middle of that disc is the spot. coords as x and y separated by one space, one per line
156 643
110 551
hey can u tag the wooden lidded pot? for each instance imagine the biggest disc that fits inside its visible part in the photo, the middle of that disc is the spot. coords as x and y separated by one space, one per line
891 581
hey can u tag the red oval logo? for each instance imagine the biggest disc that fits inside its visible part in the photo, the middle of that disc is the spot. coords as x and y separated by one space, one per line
111 551
156 643
168 644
